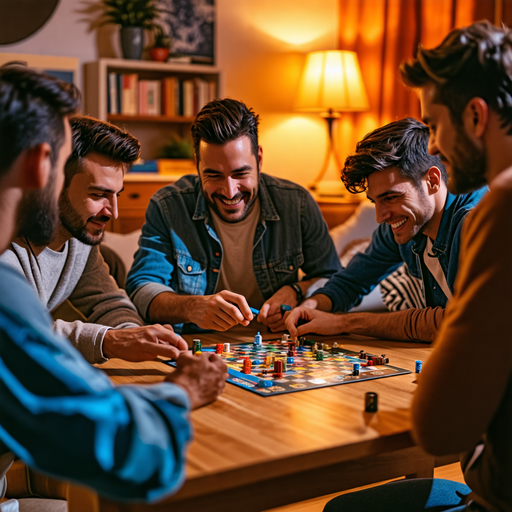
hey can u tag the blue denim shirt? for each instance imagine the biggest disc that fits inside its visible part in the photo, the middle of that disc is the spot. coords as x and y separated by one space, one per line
383 256
180 251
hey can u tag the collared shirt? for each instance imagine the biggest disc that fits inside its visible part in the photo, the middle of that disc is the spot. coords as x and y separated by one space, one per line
383 256
181 252
62 416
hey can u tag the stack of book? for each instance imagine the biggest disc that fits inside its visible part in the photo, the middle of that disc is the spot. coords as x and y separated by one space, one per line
170 97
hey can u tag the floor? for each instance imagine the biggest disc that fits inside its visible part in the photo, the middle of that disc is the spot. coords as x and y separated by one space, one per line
449 472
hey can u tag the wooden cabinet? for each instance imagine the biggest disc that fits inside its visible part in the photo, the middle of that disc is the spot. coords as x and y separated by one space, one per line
152 131
138 189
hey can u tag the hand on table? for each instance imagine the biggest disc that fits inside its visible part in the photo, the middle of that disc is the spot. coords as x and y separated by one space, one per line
318 322
221 311
203 377
270 312
143 343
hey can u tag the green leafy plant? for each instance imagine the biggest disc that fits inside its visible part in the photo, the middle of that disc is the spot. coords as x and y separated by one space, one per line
177 147
162 40
132 13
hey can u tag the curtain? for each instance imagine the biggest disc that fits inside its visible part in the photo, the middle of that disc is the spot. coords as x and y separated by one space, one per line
384 33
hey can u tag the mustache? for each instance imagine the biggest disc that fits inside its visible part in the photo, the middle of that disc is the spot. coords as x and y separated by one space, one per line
102 220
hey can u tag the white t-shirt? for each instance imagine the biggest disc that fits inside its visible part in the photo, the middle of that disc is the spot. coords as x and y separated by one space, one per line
433 265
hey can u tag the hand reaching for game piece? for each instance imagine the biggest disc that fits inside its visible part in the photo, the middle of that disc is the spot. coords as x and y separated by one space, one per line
143 343
221 311
318 322
202 376
270 312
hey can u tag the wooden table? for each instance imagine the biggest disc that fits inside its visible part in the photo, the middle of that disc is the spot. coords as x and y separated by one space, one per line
253 453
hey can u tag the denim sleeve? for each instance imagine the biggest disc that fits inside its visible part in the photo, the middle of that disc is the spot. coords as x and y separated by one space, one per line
153 264
320 257
365 270
64 417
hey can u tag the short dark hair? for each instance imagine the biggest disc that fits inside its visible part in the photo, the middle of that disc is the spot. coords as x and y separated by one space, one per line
222 121
32 108
402 144
91 135
474 61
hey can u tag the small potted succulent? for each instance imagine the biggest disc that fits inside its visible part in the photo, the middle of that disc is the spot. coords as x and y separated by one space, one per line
161 46
134 16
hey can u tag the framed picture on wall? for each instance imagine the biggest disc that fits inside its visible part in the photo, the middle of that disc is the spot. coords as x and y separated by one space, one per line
192 28
64 68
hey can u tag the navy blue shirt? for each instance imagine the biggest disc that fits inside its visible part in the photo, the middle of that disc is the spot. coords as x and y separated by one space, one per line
383 256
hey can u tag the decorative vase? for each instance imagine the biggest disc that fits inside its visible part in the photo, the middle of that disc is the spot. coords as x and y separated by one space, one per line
159 54
131 42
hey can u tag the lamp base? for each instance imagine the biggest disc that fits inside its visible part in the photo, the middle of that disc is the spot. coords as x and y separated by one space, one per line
329 188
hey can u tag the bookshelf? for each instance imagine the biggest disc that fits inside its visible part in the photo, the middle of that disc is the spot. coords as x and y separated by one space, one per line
153 131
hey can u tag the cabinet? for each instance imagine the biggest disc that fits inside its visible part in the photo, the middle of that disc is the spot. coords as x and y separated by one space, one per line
152 131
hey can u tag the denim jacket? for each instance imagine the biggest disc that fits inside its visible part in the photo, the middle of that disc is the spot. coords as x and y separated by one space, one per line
179 250
383 256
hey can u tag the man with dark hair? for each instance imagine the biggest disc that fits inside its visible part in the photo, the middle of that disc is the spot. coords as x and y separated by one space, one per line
58 413
465 90
70 275
230 238
420 224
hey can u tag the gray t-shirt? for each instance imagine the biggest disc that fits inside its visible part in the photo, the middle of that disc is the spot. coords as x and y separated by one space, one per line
237 270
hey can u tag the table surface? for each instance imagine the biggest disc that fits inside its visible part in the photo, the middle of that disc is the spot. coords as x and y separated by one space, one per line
245 442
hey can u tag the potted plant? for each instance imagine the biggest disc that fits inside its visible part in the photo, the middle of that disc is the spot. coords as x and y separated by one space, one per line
161 45
133 16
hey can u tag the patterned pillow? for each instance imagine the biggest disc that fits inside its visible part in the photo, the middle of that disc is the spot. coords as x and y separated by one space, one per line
400 290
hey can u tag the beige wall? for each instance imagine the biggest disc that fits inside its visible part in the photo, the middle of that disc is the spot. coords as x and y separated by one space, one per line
260 49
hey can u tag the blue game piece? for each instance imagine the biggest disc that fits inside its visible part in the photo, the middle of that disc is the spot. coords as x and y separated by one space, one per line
262 383
356 367
258 340
284 308
419 364
289 360
255 311
257 361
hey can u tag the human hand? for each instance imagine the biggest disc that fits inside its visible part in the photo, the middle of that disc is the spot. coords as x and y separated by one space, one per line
318 301
318 322
221 311
143 343
270 312
202 376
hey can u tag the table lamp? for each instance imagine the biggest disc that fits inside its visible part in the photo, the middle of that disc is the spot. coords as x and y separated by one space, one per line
331 83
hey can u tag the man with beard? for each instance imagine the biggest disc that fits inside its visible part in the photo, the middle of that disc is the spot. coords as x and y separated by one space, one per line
230 238
58 413
465 90
420 224
71 267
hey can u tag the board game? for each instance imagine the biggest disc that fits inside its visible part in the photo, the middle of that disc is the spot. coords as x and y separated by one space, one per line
313 365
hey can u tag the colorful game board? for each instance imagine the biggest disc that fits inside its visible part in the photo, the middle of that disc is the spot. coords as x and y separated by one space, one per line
305 372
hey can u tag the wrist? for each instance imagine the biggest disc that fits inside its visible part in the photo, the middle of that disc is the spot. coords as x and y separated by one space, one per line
299 294
323 303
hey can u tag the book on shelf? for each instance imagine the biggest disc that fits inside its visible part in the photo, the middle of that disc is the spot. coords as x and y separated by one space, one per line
171 96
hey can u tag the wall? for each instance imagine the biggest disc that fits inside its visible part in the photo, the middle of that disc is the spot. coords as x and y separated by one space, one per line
260 48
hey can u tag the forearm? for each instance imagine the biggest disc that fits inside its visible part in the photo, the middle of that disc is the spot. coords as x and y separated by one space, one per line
407 325
171 308
318 301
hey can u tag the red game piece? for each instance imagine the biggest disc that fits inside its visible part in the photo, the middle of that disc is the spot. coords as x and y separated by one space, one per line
247 366
219 348
278 368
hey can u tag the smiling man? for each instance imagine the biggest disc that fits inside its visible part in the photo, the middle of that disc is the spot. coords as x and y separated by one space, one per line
230 238
420 224
70 268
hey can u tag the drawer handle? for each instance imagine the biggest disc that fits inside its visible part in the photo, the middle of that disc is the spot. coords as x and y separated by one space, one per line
134 195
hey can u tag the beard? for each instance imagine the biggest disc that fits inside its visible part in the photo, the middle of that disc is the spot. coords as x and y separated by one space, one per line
72 221
247 207
38 215
468 166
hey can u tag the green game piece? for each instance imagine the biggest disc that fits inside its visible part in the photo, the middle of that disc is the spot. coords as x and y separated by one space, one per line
320 355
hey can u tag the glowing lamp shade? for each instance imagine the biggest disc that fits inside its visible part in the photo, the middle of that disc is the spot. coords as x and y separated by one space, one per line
331 80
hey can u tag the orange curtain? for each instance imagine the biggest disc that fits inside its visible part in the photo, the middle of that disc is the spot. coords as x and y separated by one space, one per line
384 33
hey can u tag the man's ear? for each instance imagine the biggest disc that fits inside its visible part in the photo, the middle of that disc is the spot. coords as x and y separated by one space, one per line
434 179
36 166
475 117
260 157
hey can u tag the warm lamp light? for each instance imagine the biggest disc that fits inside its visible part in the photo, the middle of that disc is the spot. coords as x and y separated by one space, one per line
331 83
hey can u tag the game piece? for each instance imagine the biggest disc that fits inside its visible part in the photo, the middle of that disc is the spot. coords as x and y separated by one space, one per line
247 366
255 312
196 346
302 372
320 346
284 308
219 348
291 350
278 368
355 371
371 402
258 340
285 338
319 355
335 345
419 364
362 354
314 348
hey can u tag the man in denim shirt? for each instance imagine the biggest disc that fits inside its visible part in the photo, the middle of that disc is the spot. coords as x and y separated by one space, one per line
229 237
420 224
